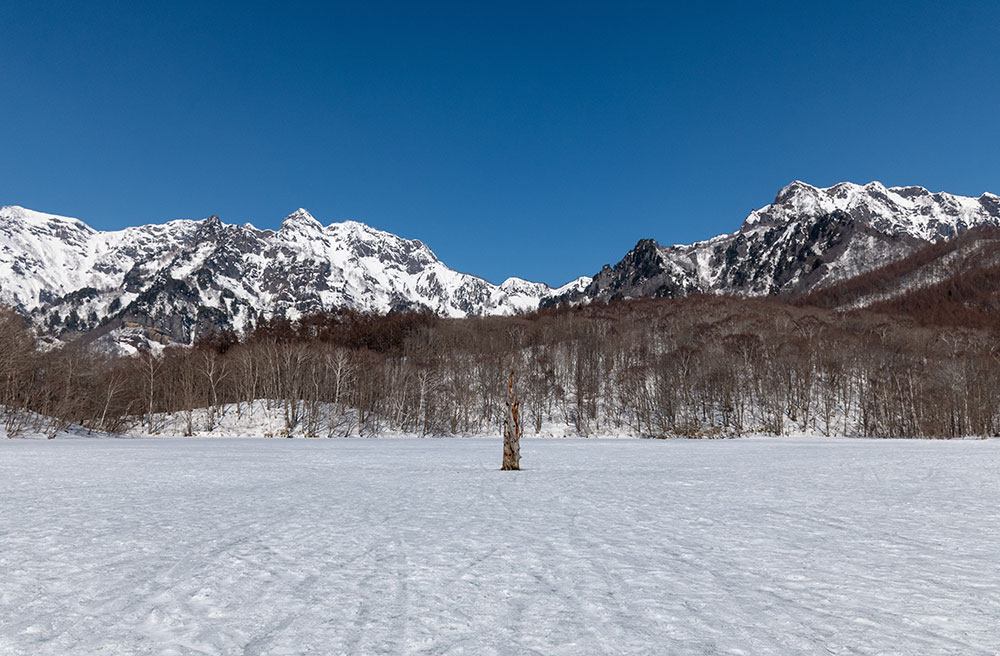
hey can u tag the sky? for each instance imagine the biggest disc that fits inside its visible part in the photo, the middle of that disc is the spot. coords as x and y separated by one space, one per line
533 139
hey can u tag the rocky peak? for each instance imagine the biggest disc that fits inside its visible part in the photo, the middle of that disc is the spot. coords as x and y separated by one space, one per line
793 191
301 220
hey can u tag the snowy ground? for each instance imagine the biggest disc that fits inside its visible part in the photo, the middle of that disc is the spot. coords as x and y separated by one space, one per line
267 419
774 546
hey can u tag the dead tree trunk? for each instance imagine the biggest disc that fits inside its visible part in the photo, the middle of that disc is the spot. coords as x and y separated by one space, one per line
511 430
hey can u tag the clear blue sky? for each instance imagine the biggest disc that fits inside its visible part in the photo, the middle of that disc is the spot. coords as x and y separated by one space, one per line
531 139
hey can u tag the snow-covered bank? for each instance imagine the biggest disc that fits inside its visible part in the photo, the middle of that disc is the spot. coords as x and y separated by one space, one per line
24 424
270 419
422 546
265 418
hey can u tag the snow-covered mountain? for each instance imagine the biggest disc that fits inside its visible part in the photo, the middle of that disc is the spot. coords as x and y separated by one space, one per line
183 278
949 282
177 280
806 239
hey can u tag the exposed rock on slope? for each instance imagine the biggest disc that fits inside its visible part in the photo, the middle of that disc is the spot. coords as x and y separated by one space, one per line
806 239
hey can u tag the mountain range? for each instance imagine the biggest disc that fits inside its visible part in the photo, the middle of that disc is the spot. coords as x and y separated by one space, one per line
175 281
808 238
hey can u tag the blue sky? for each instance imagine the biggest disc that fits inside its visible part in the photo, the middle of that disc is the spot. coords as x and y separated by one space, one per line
532 139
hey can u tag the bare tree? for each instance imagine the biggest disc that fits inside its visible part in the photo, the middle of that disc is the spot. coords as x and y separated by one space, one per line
511 430
214 369
150 365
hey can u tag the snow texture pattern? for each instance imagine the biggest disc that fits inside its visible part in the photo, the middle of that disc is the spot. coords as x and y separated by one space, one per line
424 547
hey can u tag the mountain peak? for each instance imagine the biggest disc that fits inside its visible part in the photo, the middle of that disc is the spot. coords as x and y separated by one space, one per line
360 226
516 285
31 217
793 192
793 189
301 219
910 191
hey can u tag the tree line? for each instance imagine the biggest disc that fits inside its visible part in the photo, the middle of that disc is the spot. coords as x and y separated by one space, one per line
696 366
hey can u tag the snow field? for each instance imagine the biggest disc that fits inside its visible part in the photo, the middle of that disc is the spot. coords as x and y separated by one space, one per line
760 546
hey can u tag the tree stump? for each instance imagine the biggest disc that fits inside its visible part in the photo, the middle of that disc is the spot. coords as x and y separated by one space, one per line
511 430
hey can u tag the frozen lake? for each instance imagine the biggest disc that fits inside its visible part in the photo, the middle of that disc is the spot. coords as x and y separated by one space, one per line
422 546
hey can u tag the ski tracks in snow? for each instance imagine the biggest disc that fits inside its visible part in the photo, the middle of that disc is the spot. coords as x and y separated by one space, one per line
423 547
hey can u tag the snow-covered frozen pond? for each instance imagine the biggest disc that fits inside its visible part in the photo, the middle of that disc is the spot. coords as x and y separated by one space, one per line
423 546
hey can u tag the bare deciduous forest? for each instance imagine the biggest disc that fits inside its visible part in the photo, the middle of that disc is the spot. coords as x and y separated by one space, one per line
698 366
